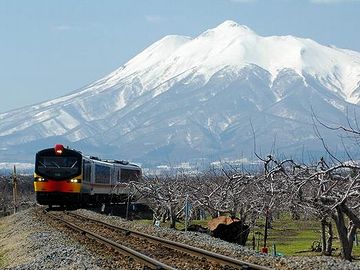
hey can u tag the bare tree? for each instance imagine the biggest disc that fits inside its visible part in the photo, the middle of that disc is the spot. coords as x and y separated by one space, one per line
166 195
327 191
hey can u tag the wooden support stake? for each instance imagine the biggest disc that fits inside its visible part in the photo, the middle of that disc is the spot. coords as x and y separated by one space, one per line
15 190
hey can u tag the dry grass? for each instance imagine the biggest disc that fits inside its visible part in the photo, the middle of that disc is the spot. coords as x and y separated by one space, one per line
13 246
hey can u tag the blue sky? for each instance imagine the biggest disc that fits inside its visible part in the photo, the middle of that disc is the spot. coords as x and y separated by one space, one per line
49 48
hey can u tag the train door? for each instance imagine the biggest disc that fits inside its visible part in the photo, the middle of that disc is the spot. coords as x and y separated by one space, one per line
92 178
113 175
117 174
86 176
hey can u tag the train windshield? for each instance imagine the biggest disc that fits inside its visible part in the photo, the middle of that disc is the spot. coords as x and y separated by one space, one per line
58 167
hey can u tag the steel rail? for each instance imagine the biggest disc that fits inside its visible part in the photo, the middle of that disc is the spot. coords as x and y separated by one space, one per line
221 259
150 262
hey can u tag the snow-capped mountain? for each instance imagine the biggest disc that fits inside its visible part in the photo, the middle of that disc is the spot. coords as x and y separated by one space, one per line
188 98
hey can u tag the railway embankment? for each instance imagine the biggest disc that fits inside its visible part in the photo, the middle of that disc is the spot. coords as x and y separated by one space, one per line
30 241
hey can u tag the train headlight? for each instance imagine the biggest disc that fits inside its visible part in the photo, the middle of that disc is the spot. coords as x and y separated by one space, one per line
75 180
39 179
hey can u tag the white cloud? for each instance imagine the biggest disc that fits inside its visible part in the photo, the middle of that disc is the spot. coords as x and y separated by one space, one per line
154 19
332 1
63 27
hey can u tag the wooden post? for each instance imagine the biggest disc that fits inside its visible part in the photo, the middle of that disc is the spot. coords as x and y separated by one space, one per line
186 212
15 191
264 249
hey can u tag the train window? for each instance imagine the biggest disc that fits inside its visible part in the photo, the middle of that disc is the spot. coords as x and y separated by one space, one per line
87 171
62 167
129 175
102 174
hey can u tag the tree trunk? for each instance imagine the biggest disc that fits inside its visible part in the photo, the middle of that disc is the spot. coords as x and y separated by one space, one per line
343 233
266 228
294 213
242 215
164 216
172 216
351 235
326 243
323 235
330 239
234 211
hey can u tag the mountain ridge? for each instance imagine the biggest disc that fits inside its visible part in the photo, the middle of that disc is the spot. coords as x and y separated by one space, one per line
191 97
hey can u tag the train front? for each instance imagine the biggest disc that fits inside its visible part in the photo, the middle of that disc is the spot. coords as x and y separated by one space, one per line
57 177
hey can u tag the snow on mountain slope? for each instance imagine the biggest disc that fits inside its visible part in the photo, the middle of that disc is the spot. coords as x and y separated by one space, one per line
230 44
194 97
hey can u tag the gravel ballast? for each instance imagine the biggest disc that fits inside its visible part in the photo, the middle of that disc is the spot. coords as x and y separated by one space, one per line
28 242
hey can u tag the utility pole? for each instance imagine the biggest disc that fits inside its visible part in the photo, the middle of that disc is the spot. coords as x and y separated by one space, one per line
15 191
186 212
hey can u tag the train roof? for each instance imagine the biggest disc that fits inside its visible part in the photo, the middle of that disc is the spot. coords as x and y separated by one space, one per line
113 161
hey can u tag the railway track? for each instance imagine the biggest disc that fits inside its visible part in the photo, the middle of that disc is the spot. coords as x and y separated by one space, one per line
152 251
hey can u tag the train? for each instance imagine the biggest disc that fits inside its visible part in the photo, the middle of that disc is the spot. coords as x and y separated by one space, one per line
66 177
